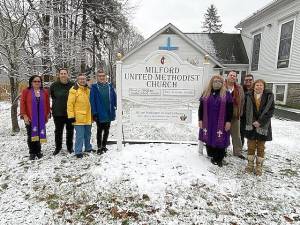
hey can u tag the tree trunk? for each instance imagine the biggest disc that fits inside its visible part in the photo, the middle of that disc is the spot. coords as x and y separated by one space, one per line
83 37
46 60
14 90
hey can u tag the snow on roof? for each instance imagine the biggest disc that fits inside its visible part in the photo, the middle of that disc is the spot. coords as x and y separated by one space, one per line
226 48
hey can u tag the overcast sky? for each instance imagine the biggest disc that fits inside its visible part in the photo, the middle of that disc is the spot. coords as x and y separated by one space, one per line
188 15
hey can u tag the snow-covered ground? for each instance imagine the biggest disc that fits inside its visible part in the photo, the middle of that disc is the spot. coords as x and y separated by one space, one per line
148 184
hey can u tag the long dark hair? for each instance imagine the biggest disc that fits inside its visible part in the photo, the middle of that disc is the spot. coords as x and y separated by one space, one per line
32 78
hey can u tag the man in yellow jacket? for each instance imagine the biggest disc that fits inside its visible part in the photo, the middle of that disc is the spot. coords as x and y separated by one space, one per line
79 112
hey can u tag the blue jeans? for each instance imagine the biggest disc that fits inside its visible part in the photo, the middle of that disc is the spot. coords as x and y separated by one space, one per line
83 135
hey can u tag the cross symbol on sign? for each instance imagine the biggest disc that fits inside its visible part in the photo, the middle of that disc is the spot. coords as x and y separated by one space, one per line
168 46
205 131
219 133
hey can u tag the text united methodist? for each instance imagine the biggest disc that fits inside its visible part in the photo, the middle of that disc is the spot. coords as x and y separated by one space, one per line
166 77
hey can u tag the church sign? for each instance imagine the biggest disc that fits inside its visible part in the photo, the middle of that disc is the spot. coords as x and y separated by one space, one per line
162 79
162 85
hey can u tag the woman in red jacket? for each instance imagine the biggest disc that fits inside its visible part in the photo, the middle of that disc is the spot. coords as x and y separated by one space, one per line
35 110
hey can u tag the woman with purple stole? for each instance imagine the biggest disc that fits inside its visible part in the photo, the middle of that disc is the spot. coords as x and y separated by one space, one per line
214 115
35 111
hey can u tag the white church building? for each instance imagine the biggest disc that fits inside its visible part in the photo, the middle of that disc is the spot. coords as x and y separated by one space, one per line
272 40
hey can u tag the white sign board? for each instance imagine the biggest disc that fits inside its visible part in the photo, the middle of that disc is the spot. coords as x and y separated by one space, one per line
162 79
159 115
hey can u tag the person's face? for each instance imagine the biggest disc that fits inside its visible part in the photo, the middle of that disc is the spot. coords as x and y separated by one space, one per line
81 80
248 82
259 88
232 77
36 83
63 76
102 77
217 84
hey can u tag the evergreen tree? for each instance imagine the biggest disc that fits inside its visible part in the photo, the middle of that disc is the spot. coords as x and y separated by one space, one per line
212 22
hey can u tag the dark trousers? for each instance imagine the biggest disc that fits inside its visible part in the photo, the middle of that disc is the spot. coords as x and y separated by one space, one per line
34 146
60 122
217 154
102 133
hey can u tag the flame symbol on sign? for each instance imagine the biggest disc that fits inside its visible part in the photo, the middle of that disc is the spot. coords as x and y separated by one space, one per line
162 60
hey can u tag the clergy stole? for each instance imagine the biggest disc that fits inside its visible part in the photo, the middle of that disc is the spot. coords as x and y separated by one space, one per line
38 125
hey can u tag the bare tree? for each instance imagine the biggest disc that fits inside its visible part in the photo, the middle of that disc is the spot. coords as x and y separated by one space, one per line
14 31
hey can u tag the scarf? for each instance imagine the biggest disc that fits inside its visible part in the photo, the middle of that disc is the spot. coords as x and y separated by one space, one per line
262 130
38 125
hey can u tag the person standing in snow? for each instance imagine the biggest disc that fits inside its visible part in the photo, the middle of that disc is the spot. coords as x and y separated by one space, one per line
59 91
248 85
214 116
35 111
259 111
237 94
79 113
103 102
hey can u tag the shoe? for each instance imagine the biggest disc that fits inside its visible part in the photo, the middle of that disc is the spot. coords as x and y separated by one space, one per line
242 157
32 157
39 155
56 152
220 163
79 156
100 151
91 150
104 149
213 161
70 151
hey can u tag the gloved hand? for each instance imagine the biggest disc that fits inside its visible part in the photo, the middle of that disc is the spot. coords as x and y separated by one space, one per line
95 117
72 120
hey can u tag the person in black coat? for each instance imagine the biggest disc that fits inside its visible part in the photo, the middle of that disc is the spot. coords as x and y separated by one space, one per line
259 111
248 86
59 91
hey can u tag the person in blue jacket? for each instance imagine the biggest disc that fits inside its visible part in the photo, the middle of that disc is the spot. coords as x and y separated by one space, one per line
103 101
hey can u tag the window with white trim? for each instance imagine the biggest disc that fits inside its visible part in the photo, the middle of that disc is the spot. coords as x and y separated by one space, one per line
285 43
280 93
255 52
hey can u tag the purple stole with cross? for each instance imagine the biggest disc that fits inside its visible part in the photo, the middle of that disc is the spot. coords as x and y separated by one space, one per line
213 125
38 125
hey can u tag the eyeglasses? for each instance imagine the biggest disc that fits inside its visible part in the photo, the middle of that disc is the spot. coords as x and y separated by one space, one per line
36 81
248 80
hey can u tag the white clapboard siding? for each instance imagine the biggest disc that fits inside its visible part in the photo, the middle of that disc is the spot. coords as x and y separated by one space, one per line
269 25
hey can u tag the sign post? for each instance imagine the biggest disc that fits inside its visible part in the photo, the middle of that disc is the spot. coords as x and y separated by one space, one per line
119 102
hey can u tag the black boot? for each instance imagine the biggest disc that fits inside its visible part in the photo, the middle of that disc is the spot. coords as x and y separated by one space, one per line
56 151
104 149
100 151
39 155
31 156
220 163
79 156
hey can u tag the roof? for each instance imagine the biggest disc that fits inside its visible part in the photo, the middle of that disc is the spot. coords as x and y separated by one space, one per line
266 9
226 48
170 28
221 48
